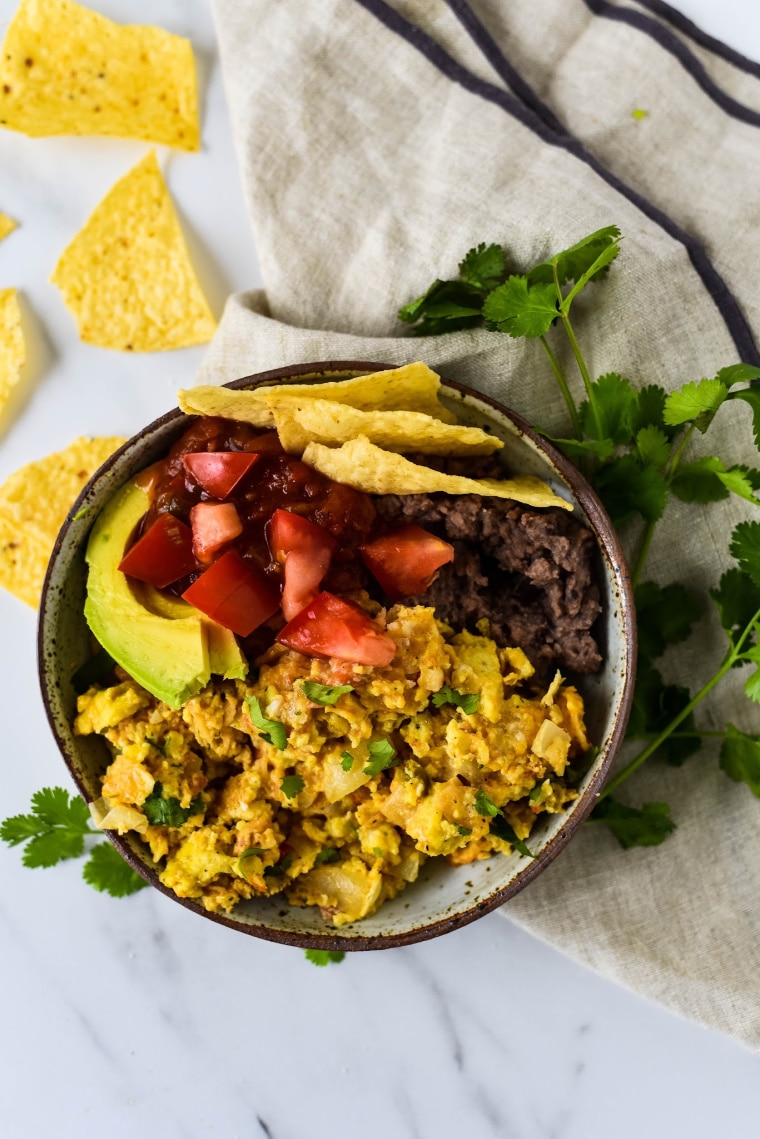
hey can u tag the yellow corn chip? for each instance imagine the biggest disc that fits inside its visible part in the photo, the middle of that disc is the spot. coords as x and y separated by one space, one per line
414 387
6 226
362 465
303 421
34 502
127 276
12 351
67 70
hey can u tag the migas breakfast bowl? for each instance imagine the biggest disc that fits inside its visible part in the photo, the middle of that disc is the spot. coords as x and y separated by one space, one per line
444 897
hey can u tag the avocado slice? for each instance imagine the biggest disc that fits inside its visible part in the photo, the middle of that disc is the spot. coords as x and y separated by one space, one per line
224 654
167 655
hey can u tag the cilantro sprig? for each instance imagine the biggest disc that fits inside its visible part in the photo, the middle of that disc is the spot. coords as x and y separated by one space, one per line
382 755
468 701
324 694
57 828
485 805
636 445
270 730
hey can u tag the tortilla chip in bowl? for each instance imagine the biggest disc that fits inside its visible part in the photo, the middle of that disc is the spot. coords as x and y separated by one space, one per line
444 896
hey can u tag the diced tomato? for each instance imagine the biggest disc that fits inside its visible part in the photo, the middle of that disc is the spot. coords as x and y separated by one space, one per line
332 627
163 554
406 560
305 550
235 594
219 472
214 525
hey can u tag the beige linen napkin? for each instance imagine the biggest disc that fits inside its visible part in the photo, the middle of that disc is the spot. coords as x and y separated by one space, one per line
377 144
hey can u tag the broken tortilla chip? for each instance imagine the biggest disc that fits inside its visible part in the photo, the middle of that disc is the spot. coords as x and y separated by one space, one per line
362 465
67 70
413 387
303 421
12 349
7 225
127 276
34 502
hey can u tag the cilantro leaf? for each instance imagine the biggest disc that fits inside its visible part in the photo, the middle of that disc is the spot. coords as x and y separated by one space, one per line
520 310
324 693
485 805
699 481
292 785
696 403
55 828
616 403
631 826
655 704
169 812
270 730
752 397
445 306
54 807
382 756
347 760
282 867
468 702
740 758
652 446
19 828
738 374
323 957
578 259
577 448
483 267
593 273
464 830
742 481
53 846
327 854
745 547
626 488
665 616
502 829
107 871
752 686
738 600
650 408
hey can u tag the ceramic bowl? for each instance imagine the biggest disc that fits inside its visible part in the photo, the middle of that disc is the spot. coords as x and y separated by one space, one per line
444 897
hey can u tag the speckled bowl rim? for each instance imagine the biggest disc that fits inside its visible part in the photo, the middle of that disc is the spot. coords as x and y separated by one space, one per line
606 537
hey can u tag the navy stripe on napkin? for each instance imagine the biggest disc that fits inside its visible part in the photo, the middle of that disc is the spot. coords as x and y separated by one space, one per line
695 33
533 119
678 49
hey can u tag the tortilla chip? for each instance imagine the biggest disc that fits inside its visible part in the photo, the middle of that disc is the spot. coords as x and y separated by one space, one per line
34 502
6 226
12 349
67 70
362 465
303 421
127 276
414 387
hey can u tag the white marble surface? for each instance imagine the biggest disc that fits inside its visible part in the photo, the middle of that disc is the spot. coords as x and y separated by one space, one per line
135 1018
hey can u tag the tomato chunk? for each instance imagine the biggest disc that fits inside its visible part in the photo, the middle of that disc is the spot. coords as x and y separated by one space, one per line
406 560
332 627
163 554
305 550
235 594
214 525
219 472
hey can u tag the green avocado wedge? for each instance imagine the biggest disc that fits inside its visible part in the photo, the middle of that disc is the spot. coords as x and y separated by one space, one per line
169 656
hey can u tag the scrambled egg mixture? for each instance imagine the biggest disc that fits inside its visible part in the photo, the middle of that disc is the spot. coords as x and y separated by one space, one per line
311 820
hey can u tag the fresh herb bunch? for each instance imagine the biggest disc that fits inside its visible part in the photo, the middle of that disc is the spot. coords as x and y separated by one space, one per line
56 828
634 446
